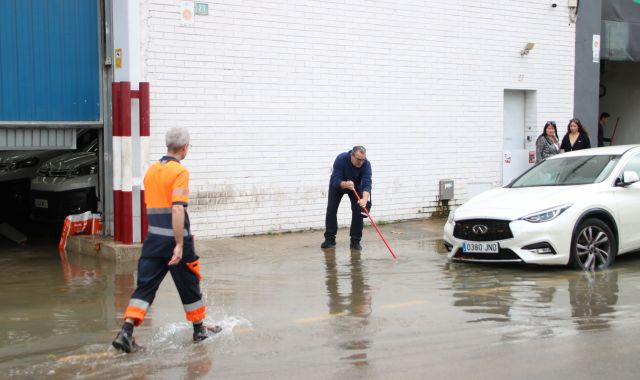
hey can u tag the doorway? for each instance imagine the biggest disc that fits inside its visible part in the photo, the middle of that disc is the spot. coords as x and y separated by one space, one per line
518 138
619 91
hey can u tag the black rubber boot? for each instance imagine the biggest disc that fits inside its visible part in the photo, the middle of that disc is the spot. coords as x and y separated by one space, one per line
125 342
328 243
202 332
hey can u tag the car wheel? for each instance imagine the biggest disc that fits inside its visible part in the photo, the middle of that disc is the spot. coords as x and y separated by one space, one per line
593 245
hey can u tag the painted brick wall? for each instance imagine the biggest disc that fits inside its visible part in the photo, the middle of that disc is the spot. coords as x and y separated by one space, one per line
272 91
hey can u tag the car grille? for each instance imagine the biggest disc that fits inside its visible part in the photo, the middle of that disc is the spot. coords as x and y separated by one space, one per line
504 254
63 203
482 230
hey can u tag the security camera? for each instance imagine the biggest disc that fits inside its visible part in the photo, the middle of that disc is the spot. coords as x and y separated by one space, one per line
553 5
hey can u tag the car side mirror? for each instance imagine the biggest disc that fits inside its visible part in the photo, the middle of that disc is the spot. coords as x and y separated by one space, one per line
628 177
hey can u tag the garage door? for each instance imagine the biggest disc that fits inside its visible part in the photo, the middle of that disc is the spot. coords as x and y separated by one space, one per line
49 71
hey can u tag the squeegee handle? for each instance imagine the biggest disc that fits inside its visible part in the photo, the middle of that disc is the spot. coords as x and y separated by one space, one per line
376 226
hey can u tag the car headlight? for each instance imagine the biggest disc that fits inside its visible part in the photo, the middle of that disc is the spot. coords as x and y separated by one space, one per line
546 215
451 218
85 170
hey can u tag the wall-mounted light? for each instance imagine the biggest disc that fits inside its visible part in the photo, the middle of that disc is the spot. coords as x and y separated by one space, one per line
527 48
573 10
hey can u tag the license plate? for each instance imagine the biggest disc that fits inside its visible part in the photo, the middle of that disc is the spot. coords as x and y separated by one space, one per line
42 203
481 247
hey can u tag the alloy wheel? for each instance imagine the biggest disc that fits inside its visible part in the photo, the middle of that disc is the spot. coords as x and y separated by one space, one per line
593 247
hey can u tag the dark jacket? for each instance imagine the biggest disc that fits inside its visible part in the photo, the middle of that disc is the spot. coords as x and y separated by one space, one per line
545 148
601 138
343 170
581 143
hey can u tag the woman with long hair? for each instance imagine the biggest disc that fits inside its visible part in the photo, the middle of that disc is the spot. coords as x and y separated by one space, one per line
576 137
547 143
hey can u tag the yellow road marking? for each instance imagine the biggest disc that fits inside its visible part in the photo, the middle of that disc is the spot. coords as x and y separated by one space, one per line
85 357
243 330
481 291
404 304
319 318
324 317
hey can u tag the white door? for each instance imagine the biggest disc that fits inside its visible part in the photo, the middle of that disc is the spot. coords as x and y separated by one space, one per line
628 209
515 159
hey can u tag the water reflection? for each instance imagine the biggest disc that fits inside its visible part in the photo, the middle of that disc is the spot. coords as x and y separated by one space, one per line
531 302
199 364
124 284
593 297
74 272
354 301
84 272
190 362
46 296
480 292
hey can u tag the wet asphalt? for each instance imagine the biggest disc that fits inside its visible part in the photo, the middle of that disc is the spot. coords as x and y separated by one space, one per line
290 310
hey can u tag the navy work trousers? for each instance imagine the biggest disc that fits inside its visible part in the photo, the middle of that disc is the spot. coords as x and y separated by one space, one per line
151 272
331 220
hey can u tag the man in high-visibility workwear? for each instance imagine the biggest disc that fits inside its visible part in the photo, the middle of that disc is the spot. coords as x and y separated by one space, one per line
169 245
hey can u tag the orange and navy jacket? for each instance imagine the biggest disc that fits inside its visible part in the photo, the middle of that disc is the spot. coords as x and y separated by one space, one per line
166 183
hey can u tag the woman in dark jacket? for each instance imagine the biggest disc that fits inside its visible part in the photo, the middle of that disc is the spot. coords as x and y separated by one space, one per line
576 137
547 143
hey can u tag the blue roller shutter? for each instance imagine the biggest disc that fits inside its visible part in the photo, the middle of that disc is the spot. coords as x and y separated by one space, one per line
49 61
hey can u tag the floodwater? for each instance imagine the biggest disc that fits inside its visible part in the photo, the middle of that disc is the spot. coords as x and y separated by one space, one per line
290 310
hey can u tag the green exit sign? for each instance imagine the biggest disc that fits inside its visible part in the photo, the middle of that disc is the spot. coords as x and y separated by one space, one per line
202 9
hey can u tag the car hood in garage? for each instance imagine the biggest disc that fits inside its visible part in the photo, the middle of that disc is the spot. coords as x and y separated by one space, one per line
70 161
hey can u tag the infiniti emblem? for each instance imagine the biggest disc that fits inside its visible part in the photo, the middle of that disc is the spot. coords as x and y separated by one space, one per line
479 229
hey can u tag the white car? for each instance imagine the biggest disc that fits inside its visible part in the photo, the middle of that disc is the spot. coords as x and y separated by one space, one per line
580 208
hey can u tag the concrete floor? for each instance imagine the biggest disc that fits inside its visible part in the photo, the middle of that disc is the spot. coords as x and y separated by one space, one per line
290 310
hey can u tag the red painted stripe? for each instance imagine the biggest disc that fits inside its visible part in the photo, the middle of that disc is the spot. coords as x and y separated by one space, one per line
145 111
121 105
145 131
123 214
115 125
125 108
115 109
143 217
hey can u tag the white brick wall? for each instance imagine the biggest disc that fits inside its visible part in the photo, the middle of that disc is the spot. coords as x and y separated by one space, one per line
272 91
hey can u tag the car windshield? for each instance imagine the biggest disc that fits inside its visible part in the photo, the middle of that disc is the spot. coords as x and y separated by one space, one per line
87 141
571 170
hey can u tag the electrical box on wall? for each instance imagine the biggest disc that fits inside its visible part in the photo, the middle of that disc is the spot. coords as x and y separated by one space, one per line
572 3
446 189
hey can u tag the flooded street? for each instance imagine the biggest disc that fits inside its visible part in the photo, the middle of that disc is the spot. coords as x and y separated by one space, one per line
290 310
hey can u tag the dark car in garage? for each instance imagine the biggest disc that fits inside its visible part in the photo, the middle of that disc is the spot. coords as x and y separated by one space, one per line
67 184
